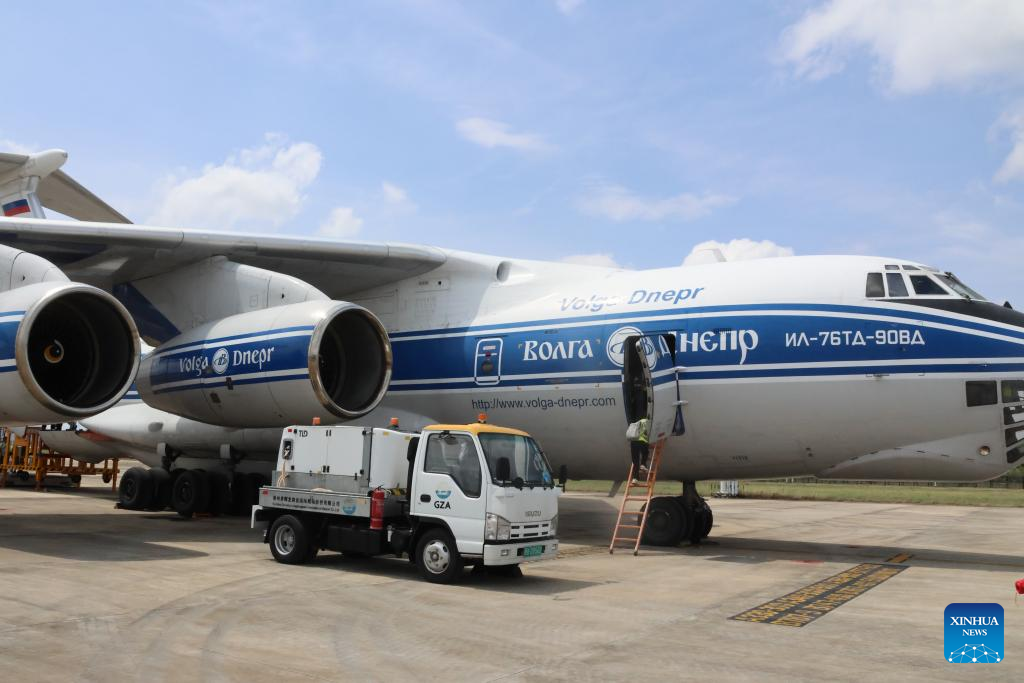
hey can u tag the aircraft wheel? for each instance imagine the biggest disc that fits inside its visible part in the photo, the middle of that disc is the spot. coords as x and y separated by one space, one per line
709 520
667 523
135 492
161 489
220 494
190 493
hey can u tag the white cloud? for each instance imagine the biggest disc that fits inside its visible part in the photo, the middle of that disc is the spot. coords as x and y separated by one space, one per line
490 133
1013 166
256 189
568 6
341 222
393 194
603 260
741 249
917 45
13 147
619 204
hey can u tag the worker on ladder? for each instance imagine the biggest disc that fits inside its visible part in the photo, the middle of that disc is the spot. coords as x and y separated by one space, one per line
639 433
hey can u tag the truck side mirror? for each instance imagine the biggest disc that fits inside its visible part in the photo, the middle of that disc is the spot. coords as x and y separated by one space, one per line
504 470
563 475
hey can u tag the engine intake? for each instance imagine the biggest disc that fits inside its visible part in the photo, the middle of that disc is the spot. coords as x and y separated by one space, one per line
273 367
67 351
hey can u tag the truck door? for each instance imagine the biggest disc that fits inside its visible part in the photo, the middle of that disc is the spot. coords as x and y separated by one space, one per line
650 384
448 485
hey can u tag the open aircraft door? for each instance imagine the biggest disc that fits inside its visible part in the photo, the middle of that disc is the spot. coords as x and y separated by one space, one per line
650 384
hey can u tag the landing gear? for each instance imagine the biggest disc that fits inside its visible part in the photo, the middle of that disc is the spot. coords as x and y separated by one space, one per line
673 520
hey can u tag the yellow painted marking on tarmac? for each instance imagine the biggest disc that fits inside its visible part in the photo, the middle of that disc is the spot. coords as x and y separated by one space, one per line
803 606
897 559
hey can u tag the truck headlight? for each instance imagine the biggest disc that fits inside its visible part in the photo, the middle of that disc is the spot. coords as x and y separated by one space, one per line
497 528
554 526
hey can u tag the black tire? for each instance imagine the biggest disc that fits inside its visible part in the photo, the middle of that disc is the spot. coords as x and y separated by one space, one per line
190 493
437 557
161 489
245 492
289 540
239 494
135 492
220 494
667 523
709 520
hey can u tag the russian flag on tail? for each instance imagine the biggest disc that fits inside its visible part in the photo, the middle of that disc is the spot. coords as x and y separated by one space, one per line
17 207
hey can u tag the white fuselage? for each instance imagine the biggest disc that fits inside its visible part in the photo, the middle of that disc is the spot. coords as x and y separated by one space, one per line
787 368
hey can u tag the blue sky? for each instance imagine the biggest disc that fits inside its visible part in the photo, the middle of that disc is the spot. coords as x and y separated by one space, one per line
600 131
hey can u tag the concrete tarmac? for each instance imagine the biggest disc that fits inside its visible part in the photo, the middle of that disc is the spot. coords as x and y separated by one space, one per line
96 594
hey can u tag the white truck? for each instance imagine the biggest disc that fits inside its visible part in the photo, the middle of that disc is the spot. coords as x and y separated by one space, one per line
448 496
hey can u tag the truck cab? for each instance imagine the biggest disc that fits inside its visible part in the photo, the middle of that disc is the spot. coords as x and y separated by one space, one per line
448 496
492 487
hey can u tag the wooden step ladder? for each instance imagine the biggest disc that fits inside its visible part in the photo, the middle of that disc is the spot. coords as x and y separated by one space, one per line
623 533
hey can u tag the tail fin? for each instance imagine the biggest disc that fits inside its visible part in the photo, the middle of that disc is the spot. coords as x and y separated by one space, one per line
28 182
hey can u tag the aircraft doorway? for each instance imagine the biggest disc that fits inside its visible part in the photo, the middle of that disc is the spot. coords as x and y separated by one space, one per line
650 383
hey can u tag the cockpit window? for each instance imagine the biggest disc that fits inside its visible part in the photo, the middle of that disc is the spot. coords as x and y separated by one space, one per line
897 287
892 267
927 286
908 267
874 288
959 287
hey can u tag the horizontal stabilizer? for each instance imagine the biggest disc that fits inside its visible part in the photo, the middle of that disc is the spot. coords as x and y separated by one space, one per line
59 191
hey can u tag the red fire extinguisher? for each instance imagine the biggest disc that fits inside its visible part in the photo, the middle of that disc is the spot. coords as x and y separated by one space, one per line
377 509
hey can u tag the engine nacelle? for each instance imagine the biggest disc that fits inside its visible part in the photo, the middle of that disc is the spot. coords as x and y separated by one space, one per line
273 367
67 351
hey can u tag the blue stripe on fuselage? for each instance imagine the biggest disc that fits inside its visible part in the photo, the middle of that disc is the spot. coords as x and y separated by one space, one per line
743 341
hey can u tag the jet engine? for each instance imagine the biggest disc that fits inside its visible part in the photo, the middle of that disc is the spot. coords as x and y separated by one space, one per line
67 350
273 367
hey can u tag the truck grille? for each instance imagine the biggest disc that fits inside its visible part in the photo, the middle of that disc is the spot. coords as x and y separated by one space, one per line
528 530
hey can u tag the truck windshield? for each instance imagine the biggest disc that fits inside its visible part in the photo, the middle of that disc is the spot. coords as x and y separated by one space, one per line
525 458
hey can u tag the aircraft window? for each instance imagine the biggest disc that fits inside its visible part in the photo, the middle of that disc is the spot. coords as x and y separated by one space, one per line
981 394
1014 436
1013 391
959 287
892 267
874 288
455 455
925 285
906 267
1013 415
897 287
1015 454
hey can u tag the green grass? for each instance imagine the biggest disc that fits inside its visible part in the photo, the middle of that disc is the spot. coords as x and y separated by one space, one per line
859 493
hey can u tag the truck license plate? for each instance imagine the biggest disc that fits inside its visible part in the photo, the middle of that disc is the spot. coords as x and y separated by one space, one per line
533 551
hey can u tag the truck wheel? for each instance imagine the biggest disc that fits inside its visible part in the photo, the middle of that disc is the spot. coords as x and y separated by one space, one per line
437 557
289 540
191 493
135 492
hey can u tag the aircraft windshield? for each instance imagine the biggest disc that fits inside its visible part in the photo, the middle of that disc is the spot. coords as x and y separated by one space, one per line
524 456
953 282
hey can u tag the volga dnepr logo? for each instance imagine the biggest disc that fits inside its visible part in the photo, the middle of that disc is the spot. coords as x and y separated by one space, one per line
973 633
220 361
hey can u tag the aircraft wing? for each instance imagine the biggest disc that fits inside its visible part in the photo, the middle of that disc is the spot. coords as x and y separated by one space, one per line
102 253
60 192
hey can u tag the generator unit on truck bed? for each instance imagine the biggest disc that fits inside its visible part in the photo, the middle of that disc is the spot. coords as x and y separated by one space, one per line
448 496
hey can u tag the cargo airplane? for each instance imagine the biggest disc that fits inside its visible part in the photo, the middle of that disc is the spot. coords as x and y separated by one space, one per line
834 366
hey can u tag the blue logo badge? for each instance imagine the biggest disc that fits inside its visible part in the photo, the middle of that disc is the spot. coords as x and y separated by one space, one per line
443 495
348 508
974 633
